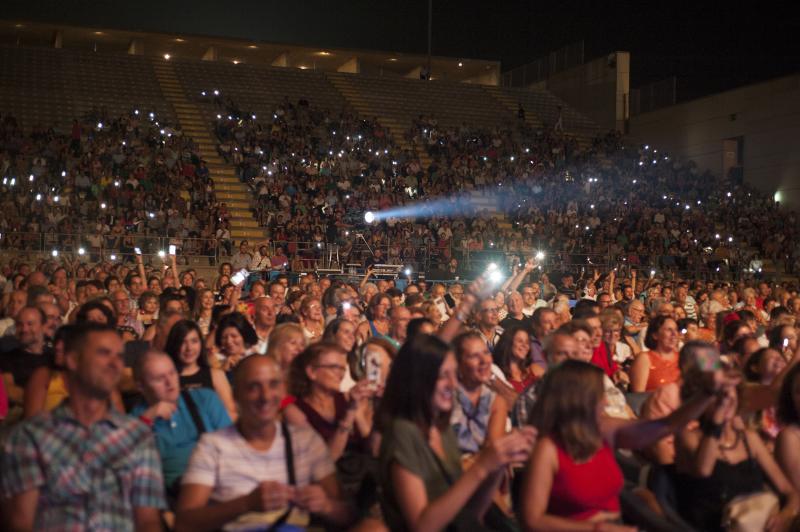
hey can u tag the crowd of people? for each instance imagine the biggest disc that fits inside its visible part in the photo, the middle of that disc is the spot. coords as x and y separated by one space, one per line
603 383
316 173
141 397
109 186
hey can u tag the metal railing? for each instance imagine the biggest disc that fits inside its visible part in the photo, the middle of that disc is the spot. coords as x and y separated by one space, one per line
313 255
108 247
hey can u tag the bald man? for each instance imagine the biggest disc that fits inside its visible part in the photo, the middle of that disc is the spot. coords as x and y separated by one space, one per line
243 469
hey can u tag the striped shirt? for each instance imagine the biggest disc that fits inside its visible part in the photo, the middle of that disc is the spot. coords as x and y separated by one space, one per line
89 478
225 461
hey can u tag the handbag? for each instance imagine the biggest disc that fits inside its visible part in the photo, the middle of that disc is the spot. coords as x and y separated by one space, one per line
750 513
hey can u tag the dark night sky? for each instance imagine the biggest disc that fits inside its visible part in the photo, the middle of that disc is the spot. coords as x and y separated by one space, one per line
710 48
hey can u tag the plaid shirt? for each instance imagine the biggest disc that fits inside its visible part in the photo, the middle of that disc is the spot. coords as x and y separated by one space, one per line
88 478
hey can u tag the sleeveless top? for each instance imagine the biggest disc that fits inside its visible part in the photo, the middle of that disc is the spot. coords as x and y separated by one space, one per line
701 500
327 429
662 371
581 490
201 379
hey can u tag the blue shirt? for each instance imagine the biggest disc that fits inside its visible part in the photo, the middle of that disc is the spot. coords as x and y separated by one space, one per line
177 436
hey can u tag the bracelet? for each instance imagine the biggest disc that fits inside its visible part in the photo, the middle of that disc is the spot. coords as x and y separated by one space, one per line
711 429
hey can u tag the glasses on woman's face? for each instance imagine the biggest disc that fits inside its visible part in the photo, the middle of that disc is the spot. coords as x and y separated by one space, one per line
333 367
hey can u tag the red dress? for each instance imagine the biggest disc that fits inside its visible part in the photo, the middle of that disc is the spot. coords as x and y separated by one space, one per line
582 490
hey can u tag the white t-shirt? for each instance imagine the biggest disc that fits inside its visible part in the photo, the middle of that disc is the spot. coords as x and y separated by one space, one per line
226 462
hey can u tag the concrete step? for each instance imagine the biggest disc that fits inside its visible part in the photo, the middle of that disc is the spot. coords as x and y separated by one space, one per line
229 187
233 196
244 223
248 233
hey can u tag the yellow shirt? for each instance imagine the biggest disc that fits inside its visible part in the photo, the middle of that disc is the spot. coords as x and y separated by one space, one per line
56 391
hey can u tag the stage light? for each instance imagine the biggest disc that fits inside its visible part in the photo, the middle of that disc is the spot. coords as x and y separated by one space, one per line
81 251
54 253
113 257
539 255
167 56
161 253
369 217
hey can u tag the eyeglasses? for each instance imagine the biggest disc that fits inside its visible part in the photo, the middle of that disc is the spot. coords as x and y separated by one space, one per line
335 367
493 309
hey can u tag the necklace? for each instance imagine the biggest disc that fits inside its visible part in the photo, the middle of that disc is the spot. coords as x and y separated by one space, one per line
729 447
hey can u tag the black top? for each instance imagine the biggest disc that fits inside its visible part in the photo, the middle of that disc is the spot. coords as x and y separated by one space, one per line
21 364
201 379
701 500
509 322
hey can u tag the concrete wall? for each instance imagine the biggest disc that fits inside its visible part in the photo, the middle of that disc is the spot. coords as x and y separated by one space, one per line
767 118
599 89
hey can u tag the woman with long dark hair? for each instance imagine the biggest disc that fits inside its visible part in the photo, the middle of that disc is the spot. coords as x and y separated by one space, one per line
512 354
420 465
185 348
720 460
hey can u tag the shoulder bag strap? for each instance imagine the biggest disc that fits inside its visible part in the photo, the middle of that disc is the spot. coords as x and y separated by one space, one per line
192 406
287 442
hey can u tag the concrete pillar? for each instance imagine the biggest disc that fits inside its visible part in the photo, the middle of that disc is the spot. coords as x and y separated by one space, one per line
623 89
212 54
351 66
136 47
282 60
414 73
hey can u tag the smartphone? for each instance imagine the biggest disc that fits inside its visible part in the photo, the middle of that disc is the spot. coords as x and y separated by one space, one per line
239 277
138 251
449 300
785 343
171 249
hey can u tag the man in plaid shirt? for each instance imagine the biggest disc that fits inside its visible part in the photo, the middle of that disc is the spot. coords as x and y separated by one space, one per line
83 466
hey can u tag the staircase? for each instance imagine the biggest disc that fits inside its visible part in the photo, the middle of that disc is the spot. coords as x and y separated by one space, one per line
395 126
507 101
229 190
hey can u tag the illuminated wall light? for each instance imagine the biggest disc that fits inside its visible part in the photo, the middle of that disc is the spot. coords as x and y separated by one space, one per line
460 64
167 56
